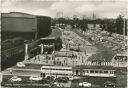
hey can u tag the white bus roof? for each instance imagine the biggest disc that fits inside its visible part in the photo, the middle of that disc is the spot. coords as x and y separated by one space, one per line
57 67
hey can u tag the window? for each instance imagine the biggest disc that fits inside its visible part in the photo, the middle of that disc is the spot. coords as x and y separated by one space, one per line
7 54
100 71
96 71
111 72
86 71
91 71
105 71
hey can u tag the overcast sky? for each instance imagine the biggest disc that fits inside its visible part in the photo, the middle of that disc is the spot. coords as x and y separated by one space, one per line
102 8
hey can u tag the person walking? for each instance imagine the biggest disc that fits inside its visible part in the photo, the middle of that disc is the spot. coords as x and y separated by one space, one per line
35 59
38 58
10 71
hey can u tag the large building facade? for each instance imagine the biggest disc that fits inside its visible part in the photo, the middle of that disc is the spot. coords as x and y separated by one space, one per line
16 27
16 24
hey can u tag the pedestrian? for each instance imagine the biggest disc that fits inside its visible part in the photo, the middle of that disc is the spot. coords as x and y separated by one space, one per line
38 58
35 59
10 71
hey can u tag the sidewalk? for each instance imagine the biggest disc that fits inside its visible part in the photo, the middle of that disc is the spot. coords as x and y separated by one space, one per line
41 60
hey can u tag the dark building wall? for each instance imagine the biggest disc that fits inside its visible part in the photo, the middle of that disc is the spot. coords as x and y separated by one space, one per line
12 51
11 56
24 25
24 35
43 26
18 24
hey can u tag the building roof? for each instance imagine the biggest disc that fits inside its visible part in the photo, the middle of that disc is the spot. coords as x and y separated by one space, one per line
56 33
57 67
18 14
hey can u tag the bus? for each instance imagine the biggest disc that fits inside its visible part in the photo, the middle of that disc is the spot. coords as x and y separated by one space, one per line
56 71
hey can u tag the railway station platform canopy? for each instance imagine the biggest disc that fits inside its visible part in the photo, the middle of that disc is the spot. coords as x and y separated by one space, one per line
56 33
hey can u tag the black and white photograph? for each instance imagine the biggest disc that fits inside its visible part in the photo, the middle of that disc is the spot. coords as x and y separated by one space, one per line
63 43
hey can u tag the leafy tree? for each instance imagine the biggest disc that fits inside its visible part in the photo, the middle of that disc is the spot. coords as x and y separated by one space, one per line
119 24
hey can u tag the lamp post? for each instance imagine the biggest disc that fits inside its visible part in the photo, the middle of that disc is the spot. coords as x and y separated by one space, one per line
42 48
26 51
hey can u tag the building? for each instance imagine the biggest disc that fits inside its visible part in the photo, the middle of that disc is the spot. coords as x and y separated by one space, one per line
44 45
16 28
56 71
66 58
93 26
12 51
43 26
69 58
53 41
28 26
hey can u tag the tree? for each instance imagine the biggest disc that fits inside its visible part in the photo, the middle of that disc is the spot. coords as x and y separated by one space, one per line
119 24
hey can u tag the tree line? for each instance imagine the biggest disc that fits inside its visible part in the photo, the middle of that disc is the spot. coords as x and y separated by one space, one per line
118 25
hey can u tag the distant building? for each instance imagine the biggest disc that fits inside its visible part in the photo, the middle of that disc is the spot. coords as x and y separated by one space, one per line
93 26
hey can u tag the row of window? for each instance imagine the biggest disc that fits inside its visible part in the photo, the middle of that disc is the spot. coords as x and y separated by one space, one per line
58 74
98 71
56 69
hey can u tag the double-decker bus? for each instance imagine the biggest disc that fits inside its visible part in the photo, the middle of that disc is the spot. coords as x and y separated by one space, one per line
56 71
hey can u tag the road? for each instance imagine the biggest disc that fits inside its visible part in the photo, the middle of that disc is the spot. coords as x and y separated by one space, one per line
102 53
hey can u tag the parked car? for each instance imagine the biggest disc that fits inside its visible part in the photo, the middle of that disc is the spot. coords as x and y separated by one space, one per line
50 78
56 84
20 64
71 78
109 84
15 79
62 79
85 84
80 84
35 78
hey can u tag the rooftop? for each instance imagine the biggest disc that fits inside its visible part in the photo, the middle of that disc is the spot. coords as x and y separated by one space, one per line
17 14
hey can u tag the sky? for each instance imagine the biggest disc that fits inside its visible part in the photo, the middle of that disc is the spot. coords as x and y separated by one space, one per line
81 8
